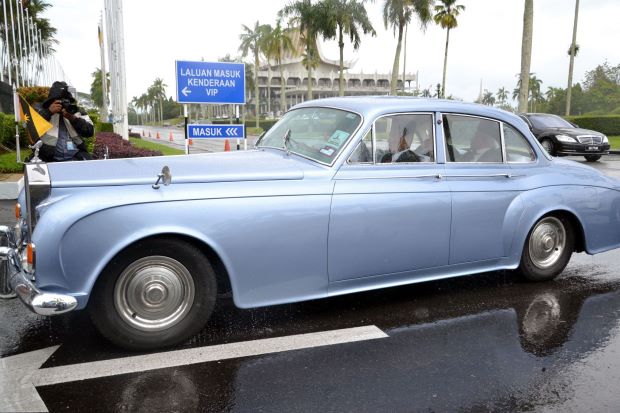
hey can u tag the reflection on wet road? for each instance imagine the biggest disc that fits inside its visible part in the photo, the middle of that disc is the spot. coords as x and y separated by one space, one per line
488 342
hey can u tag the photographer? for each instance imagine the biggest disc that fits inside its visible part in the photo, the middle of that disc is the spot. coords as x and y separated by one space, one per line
69 125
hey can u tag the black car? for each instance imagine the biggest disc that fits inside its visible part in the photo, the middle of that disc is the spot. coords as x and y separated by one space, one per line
562 138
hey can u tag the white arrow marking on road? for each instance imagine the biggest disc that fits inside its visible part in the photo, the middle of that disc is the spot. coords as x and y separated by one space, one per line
186 91
20 374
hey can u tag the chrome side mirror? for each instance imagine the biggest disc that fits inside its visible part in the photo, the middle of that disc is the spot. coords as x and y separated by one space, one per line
164 177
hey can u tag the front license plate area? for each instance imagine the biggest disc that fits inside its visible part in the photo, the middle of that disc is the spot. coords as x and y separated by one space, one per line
593 148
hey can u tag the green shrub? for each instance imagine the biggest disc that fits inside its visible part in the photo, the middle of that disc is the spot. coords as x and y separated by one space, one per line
609 125
7 132
34 94
105 127
251 130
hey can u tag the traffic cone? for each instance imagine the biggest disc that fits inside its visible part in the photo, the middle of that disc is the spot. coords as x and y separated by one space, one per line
191 142
157 135
227 146
170 138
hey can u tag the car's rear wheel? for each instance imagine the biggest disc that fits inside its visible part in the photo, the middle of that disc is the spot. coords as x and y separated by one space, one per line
155 294
548 249
592 158
548 145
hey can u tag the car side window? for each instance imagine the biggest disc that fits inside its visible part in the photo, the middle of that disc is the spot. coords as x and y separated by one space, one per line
517 147
472 139
363 151
404 138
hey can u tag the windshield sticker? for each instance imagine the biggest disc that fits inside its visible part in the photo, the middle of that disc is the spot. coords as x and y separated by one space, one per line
327 150
338 138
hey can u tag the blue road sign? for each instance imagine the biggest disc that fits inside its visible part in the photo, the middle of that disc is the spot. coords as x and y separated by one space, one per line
215 131
210 82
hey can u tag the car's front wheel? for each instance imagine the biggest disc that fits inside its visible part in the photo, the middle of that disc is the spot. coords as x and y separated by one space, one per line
548 145
155 294
592 158
548 249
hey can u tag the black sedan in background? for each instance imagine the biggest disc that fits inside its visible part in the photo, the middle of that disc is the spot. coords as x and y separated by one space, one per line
562 138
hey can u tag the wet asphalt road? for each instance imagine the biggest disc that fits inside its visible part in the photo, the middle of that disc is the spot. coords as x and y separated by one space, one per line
489 342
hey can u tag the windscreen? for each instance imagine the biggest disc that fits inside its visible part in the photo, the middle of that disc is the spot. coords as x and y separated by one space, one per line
315 133
548 121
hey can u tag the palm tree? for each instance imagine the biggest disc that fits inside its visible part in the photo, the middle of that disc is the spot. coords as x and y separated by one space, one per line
276 46
251 40
397 14
445 16
96 90
488 98
311 20
535 93
266 33
526 54
502 95
34 9
346 17
574 48
159 93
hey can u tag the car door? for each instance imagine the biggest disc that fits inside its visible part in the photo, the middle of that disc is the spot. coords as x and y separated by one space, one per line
391 208
485 190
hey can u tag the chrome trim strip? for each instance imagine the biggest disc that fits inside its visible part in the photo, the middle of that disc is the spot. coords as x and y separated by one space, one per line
40 302
483 176
435 176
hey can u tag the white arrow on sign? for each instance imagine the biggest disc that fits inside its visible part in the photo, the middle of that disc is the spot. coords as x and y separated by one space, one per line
232 131
21 374
186 91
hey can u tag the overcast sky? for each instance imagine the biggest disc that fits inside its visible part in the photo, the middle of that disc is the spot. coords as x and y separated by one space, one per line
486 45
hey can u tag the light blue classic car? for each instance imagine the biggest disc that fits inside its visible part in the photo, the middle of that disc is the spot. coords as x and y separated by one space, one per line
341 195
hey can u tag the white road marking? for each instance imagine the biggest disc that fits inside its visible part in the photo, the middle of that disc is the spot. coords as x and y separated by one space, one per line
20 374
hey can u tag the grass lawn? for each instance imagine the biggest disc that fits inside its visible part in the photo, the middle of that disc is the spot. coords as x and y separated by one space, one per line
614 141
8 163
166 150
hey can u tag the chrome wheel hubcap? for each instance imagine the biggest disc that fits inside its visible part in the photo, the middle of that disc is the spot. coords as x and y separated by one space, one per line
154 293
547 242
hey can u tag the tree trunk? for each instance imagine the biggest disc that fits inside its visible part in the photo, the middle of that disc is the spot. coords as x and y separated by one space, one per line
405 56
256 93
572 61
394 81
445 65
161 109
309 95
282 89
526 54
341 77
268 86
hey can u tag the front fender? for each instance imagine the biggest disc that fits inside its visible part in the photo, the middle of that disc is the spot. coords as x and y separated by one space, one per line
261 239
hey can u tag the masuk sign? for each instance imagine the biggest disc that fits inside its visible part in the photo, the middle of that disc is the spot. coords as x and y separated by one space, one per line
215 131
210 82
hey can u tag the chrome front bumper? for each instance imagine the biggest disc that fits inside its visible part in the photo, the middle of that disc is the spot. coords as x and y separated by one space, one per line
40 302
